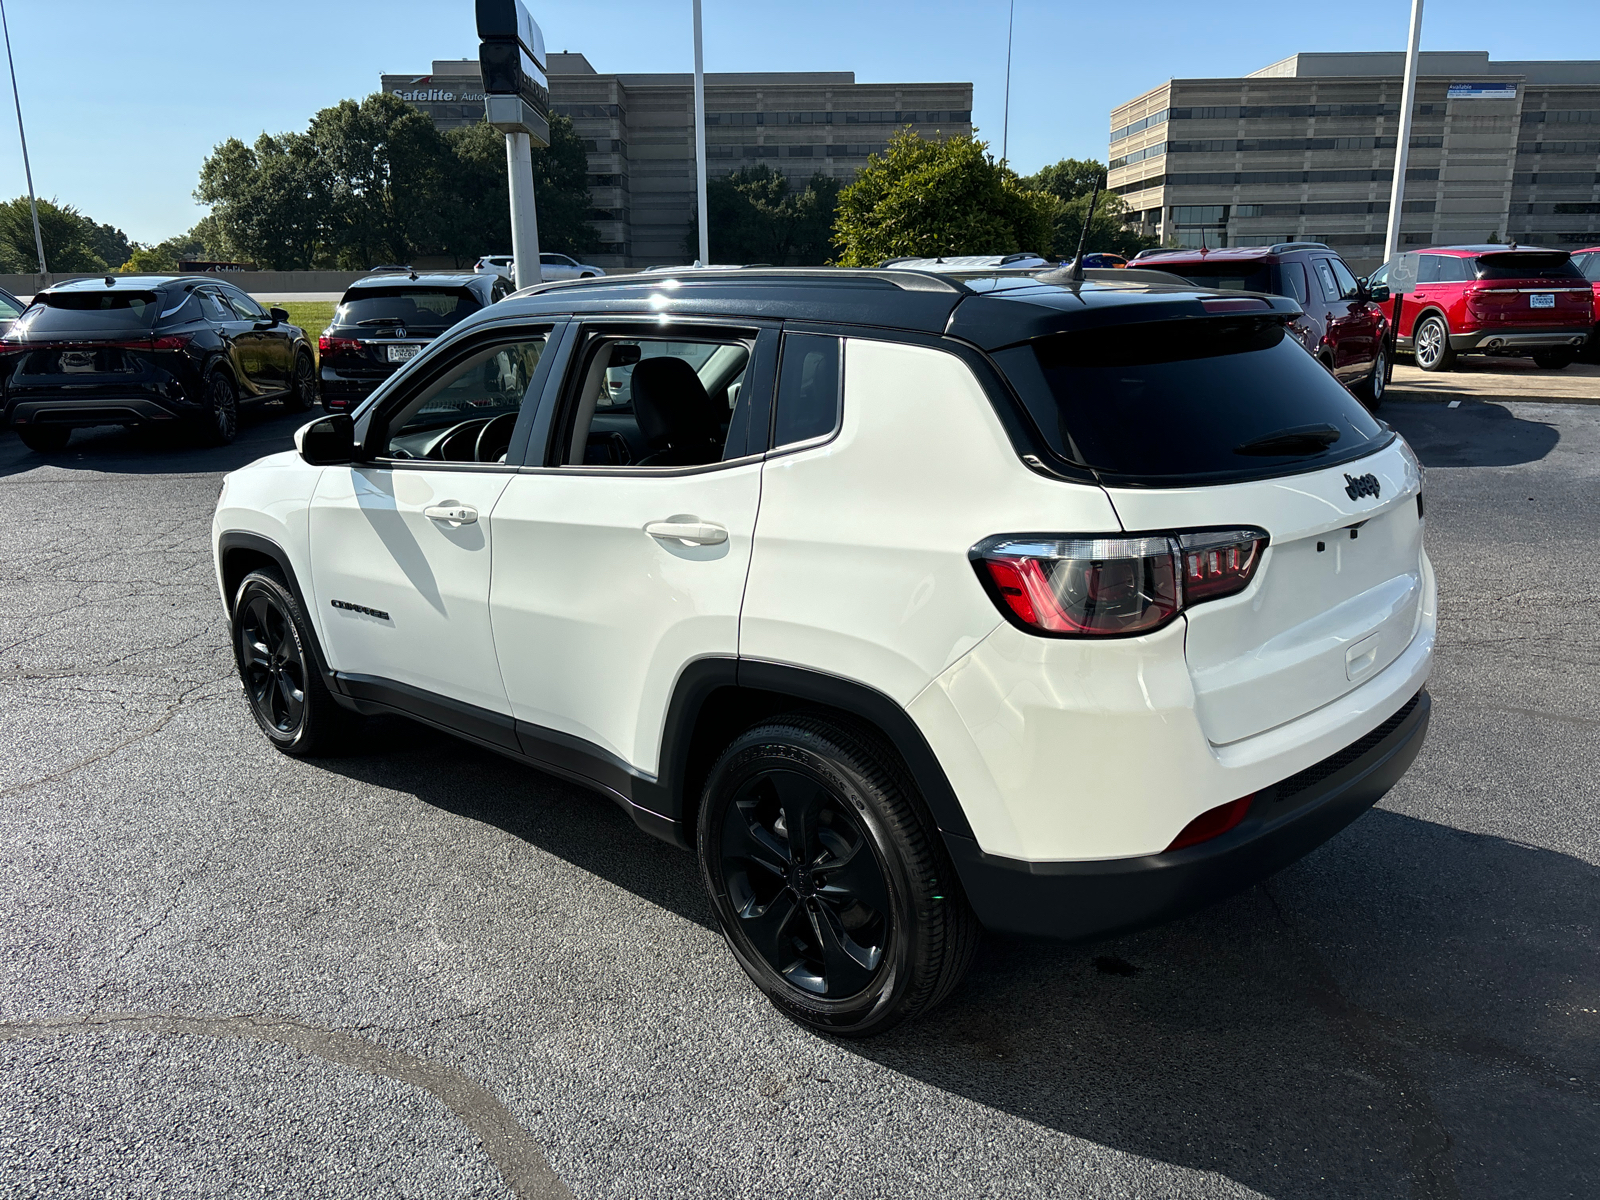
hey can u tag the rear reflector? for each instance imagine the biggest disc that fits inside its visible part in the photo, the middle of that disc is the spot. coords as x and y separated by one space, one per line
1214 822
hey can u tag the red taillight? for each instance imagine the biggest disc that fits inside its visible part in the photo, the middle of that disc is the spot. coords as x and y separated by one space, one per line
171 341
1214 822
333 345
1087 587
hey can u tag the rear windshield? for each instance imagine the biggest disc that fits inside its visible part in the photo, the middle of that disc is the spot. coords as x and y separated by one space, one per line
1229 276
412 307
82 311
1527 266
1179 399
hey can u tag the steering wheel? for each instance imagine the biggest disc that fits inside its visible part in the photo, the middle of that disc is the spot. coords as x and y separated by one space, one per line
494 439
455 445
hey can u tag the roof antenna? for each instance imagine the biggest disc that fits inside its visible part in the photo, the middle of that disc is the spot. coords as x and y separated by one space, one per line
1203 250
1075 275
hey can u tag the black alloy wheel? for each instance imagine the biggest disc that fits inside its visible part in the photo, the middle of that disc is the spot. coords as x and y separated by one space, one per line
282 682
45 439
828 879
222 409
1370 390
1431 344
303 385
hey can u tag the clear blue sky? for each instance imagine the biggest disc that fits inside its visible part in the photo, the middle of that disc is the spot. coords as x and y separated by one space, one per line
114 133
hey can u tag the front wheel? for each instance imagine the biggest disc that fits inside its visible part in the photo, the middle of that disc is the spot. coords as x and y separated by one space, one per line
1431 343
303 385
45 439
1554 359
832 890
1370 390
282 683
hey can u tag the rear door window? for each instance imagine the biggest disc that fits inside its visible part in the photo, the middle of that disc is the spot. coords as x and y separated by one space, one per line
213 307
1165 402
1293 275
1345 280
1328 285
1453 269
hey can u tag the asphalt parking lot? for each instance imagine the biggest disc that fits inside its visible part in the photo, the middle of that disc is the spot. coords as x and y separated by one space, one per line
420 970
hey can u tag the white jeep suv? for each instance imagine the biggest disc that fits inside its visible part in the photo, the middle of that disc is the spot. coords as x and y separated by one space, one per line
910 603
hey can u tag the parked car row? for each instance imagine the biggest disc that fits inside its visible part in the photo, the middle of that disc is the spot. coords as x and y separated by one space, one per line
552 267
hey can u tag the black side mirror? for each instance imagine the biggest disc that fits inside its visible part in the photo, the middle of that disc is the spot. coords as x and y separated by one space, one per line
1379 293
280 316
328 441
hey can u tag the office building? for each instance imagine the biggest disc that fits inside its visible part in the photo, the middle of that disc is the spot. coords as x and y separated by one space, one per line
1304 150
639 134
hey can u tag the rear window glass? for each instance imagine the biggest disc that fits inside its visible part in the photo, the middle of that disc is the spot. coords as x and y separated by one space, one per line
1527 266
411 307
63 311
1229 276
1178 400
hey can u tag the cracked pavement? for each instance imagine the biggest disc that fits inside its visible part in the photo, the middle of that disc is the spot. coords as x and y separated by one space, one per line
421 970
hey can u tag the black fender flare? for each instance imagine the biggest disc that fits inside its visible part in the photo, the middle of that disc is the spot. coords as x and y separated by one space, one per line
238 539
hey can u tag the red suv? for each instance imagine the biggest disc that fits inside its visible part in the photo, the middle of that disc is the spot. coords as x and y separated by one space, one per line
1588 261
1504 300
1340 324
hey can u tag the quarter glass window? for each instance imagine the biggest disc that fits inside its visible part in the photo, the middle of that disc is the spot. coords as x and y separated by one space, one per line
808 388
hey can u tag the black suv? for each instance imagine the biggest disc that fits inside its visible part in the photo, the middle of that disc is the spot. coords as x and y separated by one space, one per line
1341 326
147 350
384 320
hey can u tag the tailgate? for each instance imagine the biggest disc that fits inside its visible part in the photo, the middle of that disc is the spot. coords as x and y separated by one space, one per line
1336 599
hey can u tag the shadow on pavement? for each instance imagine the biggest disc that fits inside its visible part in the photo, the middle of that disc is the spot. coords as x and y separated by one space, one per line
263 429
1474 435
1328 1034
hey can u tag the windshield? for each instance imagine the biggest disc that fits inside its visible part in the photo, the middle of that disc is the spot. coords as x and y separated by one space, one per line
78 312
1527 266
421 308
1179 399
1229 276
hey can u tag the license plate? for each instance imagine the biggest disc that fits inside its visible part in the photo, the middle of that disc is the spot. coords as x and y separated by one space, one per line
402 353
1542 300
77 362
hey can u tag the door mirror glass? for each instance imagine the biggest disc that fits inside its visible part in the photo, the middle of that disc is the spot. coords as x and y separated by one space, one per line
327 442
280 316
1378 293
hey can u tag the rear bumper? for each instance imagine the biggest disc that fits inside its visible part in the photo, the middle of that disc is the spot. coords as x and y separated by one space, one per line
341 392
98 410
1086 899
1514 339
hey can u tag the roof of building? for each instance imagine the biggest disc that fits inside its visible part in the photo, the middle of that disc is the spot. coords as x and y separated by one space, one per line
989 310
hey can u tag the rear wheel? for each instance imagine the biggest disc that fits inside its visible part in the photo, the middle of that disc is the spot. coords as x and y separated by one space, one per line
833 892
282 683
1431 343
45 439
222 410
1555 358
1370 390
302 384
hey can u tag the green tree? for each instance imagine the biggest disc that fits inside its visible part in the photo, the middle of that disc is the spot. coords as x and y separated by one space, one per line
754 216
272 200
1072 182
481 207
70 238
924 198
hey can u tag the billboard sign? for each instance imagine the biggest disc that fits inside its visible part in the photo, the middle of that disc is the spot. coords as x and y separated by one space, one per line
1482 91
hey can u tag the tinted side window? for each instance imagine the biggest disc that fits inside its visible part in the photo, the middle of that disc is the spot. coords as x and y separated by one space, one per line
212 307
1428 268
1293 275
1346 281
1591 266
245 306
1454 270
1324 273
808 388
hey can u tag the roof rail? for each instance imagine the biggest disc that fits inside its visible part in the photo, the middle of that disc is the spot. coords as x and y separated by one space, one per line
905 280
1280 247
394 269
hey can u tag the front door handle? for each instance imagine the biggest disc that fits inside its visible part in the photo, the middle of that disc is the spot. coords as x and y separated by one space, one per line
454 514
690 533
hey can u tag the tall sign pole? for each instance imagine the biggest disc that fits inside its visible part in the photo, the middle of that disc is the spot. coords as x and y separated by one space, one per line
1005 123
38 238
516 101
700 139
1402 142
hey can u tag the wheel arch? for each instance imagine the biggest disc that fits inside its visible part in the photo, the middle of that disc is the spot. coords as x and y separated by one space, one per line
715 700
238 553
1433 310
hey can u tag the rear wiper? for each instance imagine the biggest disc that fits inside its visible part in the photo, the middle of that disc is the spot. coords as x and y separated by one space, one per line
1297 439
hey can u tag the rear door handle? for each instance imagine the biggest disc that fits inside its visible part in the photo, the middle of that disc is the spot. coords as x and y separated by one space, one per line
455 514
691 533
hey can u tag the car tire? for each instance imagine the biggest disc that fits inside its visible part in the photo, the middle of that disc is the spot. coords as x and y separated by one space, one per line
1431 344
586 275
1554 359
45 439
283 685
830 885
302 384
1370 391
222 409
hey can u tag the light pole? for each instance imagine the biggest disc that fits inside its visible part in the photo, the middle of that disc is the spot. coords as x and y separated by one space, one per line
1005 123
700 139
516 101
38 238
1402 142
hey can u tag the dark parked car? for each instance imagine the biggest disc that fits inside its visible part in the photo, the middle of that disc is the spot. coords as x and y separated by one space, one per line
385 319
10 309
147 350
1494 299
1342 326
